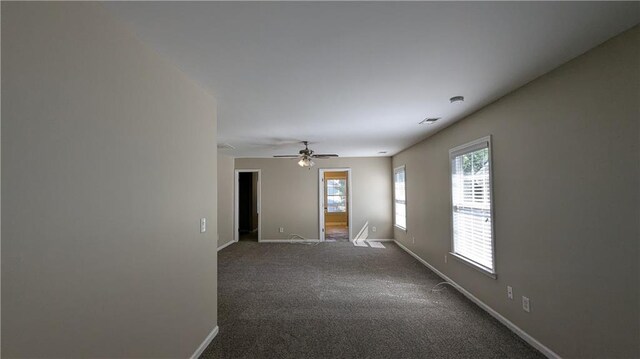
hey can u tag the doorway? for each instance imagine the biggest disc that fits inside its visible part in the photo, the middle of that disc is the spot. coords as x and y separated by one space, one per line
247 206
335 204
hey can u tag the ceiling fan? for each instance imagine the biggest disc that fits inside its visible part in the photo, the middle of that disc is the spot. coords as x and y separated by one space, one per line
306 156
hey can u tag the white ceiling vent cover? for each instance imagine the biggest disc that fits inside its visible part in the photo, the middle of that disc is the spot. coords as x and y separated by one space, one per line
429 121
225 146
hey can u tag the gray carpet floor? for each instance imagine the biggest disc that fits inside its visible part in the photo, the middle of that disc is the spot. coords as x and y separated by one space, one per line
334 300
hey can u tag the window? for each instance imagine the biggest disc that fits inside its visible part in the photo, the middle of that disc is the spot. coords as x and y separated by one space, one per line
472 205
337 195
400 197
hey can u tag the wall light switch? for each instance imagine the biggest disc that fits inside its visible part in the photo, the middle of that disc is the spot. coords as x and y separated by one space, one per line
525 304
445 258
373 229
281 229
203 225
510 292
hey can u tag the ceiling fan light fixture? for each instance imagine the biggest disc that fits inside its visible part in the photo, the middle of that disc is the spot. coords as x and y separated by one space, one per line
306 162
307 155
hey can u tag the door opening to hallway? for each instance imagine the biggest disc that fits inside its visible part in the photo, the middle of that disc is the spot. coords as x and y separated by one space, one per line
336 204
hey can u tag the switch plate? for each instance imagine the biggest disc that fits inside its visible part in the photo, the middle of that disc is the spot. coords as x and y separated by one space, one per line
373 229
510 292
281 229
203 225
413 240
445 258
525 304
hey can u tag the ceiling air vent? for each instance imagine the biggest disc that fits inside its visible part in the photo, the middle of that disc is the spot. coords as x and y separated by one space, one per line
225 146
456 99
429 121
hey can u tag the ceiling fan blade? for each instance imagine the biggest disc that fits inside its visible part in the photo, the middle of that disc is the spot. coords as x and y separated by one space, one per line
305 155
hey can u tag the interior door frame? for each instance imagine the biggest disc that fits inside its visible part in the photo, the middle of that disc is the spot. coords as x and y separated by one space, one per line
321 186
236 203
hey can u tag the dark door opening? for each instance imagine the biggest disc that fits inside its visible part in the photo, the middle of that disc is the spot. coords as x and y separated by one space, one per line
248 206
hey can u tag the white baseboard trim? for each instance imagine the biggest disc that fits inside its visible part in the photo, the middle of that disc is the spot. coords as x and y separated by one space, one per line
226 245
297 240
205 343
521 333
289 240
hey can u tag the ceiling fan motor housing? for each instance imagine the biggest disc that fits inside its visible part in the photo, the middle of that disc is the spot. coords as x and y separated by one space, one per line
307 154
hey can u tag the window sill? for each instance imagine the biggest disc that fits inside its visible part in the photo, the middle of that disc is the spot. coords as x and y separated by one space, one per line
400 228
474 265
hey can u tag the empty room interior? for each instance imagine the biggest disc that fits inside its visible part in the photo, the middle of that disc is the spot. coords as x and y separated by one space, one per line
313 179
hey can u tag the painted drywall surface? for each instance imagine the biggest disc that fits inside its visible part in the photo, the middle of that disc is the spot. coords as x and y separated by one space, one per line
566 173
225 199
109 162
290 195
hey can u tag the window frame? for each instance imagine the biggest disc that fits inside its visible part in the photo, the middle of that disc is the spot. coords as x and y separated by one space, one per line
481 143
402 168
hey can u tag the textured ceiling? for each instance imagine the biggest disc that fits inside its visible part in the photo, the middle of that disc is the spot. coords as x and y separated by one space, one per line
355 78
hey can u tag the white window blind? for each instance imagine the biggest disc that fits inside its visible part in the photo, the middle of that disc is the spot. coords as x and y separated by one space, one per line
471 201
400 199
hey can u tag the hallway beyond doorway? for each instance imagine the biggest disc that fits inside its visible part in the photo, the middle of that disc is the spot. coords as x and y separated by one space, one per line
337 232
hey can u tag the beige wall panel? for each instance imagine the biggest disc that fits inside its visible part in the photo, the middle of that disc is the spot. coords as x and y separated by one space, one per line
290 195
108 164
225 199
567 203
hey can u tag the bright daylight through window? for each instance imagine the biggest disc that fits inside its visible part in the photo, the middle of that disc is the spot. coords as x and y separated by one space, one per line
400 198
337 195
472 206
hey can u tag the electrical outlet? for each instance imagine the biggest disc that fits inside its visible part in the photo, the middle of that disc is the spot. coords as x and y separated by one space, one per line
445 258
373 229
281 229
525 304
510 292
203 225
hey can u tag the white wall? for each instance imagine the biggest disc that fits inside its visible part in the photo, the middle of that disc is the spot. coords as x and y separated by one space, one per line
290 195
566 171
225 199
108 163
